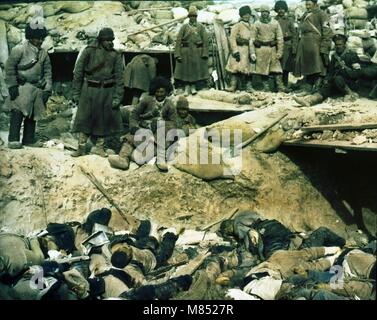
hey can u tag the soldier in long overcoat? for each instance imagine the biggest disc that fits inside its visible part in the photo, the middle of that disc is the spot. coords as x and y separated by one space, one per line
290 36
314 45
98 88
239 64
191 53
29 81
266 47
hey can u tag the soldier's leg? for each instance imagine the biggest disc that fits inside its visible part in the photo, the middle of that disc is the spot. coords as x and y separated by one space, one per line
16 118
29 131
285 77
233 83
122 161
193 88
280 83
99 148
83 138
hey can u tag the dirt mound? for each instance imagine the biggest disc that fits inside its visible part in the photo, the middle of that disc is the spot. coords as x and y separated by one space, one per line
46 185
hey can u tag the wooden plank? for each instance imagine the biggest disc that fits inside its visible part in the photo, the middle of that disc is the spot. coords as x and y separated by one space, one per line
340 126
204 105
346 145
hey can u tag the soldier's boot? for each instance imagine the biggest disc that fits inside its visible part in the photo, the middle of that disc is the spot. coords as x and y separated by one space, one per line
249 86
193 89
122 161
373 93
280 84
99 148
161 159
81 147
317 85
350 95
187 90
233 84
310 100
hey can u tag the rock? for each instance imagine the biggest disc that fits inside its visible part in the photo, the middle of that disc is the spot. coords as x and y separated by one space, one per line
359 140
50 9
327 135
271 141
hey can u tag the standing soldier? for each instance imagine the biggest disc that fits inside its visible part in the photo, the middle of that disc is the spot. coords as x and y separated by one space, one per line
312 57
239 64
98 88
266 48
191 53
29 81
290 39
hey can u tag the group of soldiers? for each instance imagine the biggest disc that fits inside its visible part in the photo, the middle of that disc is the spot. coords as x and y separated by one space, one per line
264 48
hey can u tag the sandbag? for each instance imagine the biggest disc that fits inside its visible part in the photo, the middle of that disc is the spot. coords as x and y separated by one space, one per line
8 15
14 35
271 141
179 13
217 8
338 9
163 15
50 9
356 13
75 6
347 3
357 23
4 53
354 42
206 17
229 16
360 3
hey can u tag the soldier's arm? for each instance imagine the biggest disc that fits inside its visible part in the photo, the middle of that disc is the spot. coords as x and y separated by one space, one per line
294 33
279 40
178 43
168 111
119 80
233 38
11 67
253 36
326 34
136 112
204 36
78 74
47 73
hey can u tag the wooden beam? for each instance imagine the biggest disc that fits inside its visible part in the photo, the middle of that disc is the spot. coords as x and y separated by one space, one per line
204 105
336 144
340 127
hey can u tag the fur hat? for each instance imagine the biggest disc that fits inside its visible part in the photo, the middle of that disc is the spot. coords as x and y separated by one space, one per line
182 103
64 236
193 11
35 32
244 10
339 36
100 216
281 5
106 34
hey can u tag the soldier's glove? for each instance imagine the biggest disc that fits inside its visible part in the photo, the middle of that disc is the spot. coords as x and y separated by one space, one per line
116 105
253 57
179 59
325 59
237 56
257 43
45 96
13 92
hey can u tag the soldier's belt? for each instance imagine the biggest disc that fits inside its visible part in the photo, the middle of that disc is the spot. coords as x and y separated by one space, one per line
265 43
100 84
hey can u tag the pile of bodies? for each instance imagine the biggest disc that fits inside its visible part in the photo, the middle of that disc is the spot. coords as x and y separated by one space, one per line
250 258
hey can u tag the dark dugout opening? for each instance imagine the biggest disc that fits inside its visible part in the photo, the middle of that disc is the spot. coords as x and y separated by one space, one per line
346 180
